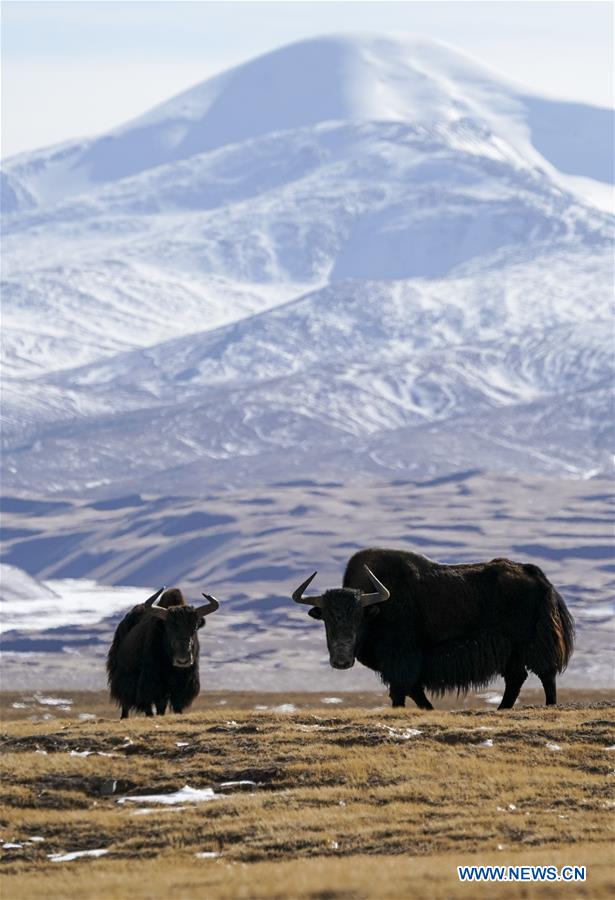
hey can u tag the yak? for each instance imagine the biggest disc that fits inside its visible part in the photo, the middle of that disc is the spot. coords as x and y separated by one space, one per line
153 660
435 627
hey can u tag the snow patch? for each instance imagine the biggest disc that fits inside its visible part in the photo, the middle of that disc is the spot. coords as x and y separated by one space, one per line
147 811
492 697
400 734
185 794
78 854
238 784
58 702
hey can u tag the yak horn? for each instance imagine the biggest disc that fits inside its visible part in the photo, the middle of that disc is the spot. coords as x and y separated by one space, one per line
309 601
208 608
381 594
151 600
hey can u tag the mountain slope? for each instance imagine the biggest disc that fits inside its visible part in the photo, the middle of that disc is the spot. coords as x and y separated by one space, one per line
206 241
352 255
346 379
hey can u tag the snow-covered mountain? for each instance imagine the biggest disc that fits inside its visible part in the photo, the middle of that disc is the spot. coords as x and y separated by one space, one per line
352 255
339 78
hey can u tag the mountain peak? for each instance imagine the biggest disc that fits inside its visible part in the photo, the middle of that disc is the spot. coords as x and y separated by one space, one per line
339 77
319 79
349 78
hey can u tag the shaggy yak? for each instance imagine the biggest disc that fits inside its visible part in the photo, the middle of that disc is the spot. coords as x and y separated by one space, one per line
436 627
154 656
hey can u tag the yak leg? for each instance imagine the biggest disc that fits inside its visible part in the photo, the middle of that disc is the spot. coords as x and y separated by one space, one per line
161 707
417 693
125 711
548 683
149 687
515 674
397 695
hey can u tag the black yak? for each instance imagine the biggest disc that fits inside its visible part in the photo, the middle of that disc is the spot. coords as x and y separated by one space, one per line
439 627
154 657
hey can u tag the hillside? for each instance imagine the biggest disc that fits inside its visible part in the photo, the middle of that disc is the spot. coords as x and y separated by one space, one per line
371 265
251 548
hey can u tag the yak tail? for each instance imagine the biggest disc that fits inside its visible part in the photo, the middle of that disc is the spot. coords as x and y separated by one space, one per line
552 647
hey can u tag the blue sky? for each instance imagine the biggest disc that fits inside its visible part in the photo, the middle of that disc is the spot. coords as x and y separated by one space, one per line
78 68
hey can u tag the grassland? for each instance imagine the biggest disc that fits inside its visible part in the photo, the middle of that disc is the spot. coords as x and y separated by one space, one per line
345 801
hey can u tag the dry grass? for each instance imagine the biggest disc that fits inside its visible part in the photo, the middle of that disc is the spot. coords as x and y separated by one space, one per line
346 803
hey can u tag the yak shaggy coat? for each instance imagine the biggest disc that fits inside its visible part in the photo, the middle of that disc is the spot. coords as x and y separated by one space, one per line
456 627
140 669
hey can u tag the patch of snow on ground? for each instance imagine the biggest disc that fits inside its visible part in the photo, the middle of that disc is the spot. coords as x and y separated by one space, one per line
148 810
400 734
230 784
68 857
491 697
185 794
54 701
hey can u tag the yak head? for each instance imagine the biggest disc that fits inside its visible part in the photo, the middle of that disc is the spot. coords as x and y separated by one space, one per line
181 624
342 610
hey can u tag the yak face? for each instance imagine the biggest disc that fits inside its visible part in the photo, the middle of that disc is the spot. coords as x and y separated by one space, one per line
342 613
180 628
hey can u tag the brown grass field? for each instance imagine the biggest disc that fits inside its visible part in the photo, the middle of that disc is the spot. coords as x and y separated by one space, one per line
347 801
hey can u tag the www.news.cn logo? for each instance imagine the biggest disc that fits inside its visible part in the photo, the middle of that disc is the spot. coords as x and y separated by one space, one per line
521 873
